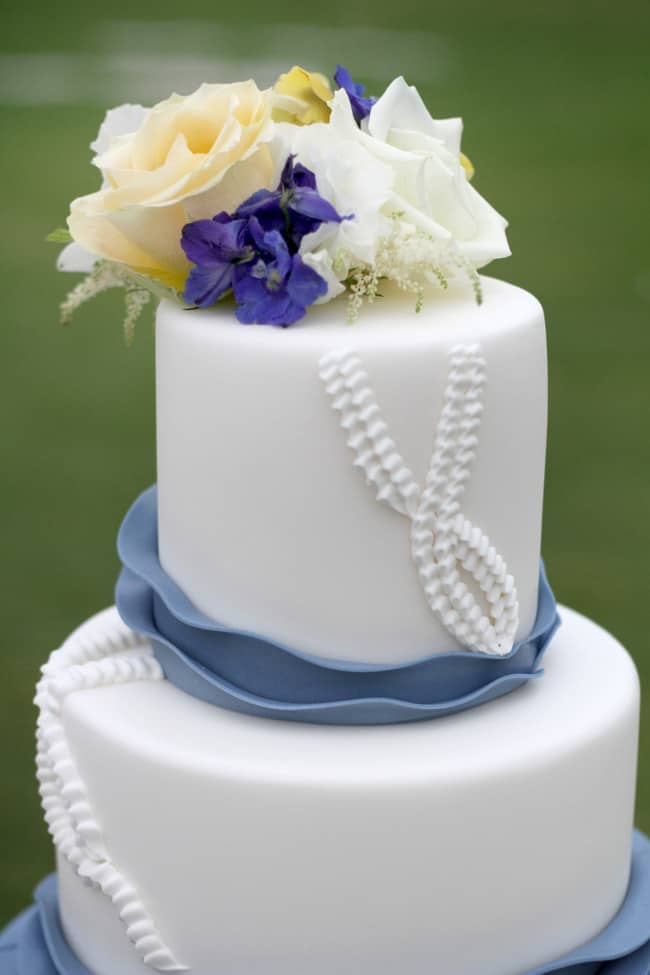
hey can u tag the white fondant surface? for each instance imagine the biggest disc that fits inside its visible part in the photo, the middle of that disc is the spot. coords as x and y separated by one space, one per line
485 843
265 522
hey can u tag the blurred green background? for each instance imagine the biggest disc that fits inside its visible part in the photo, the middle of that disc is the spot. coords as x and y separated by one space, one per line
556 103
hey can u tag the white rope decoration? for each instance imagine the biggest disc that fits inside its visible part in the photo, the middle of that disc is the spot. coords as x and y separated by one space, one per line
443 541
102 653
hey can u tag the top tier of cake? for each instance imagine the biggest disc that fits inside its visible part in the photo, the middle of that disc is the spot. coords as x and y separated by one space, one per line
265 520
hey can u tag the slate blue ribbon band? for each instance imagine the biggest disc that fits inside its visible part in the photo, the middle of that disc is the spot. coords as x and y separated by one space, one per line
34 943
245 672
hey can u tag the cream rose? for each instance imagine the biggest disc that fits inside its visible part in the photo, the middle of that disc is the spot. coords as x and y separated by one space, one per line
187 159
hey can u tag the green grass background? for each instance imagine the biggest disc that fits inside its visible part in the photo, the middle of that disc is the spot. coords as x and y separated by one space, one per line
556 105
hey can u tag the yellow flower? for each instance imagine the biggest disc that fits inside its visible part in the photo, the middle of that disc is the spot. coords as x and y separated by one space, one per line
304 97
190 157
467 165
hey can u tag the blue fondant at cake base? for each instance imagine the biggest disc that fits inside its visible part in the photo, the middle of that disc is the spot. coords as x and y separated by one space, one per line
34 943
245 672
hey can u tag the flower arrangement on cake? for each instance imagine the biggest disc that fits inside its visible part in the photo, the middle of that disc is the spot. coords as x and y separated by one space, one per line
279 199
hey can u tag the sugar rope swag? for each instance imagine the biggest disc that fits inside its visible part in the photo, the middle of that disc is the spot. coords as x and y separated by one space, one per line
443 542
100 654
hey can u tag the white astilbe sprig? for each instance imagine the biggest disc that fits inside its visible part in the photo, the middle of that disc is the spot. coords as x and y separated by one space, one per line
135 300
412 260
138 291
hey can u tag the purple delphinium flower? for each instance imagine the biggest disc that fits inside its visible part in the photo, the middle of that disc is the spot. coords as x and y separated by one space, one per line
254 251
361 104
294 209
217 247
279 287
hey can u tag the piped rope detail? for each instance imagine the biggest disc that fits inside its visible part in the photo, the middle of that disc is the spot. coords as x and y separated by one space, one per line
376 453
444 544
100 656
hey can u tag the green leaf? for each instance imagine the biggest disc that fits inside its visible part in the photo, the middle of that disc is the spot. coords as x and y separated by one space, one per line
60 236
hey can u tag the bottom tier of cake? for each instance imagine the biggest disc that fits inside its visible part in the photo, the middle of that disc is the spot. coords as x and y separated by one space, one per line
34 943
487 843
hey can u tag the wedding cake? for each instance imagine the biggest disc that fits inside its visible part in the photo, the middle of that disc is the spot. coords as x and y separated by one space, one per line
335 722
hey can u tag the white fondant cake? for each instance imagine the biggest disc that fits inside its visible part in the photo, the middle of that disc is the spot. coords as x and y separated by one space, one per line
486 843
266 523
345 534
371 494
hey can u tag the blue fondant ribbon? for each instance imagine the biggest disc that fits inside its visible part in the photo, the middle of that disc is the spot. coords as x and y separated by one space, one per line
244 672
34 944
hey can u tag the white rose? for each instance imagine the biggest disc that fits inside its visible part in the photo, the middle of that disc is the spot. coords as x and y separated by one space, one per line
400 161
430 187
185 159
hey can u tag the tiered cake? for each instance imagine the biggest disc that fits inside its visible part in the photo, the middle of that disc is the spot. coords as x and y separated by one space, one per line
334 725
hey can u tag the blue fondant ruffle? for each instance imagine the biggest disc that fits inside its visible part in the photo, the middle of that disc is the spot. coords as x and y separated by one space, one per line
34 943
244 672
